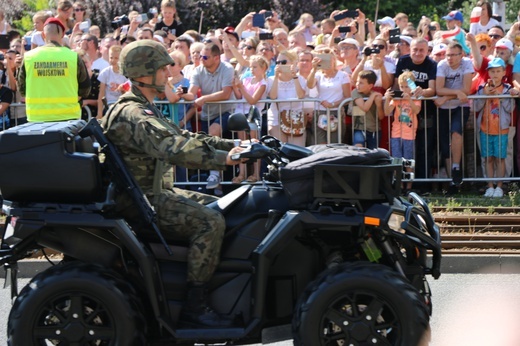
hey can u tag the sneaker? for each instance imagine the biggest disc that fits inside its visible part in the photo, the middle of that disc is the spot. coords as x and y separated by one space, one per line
213 181
456 176
489 192
499 193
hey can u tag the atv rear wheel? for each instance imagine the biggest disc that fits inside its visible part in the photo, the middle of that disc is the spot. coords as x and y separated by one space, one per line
76 304
360 304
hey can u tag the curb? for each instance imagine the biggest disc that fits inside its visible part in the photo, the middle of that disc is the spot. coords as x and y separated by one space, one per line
451 264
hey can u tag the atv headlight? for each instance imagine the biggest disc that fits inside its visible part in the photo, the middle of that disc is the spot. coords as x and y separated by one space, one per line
395 222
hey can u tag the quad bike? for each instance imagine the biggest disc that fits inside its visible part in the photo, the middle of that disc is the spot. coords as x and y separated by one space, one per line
346 267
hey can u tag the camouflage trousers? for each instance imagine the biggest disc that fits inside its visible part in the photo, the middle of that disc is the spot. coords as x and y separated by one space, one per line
184 214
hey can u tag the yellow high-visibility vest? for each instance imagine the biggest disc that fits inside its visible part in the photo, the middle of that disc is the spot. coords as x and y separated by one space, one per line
51 92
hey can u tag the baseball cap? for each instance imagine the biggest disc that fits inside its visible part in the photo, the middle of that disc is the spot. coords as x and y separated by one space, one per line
454 15
386 21
406 39
496 62
54 20
504 43
231 30
439 48
349 41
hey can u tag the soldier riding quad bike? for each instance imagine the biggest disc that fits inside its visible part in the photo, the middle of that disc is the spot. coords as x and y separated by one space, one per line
324 242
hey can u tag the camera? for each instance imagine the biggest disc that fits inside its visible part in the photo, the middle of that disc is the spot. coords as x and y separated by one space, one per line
368 51
432 27
123 20
203 4
343 29
337 40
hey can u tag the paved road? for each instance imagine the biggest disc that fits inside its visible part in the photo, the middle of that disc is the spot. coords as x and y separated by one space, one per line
468 309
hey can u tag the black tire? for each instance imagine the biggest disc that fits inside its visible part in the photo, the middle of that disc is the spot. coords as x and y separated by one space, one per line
357 304
76 304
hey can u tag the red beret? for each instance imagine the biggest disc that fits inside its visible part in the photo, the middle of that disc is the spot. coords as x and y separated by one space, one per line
56 21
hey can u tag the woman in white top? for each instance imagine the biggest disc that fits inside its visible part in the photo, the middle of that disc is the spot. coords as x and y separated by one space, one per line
333 87
285 120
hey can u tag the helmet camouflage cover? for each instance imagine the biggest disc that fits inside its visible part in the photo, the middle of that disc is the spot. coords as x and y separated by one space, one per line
143 58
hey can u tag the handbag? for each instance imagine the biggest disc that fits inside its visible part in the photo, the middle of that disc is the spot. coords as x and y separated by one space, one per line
292 123
323 122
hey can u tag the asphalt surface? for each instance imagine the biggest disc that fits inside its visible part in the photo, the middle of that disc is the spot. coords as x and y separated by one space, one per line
478 308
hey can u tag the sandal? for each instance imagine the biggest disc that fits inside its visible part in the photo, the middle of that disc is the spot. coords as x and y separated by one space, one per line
252 179
238 179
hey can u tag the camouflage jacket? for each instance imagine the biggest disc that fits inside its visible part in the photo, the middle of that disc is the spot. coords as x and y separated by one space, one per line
137 129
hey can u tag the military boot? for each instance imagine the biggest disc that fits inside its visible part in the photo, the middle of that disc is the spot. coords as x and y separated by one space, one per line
196 310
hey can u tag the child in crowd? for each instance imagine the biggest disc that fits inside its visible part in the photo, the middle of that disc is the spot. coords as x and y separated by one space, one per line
251 89
404 126
112 82
306 27
177 89
494 117
367 113
169 20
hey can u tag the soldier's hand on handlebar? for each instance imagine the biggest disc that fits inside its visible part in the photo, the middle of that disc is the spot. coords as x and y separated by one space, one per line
233 157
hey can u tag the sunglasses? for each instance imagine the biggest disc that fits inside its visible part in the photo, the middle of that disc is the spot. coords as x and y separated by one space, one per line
281 62
205 57
497 37
380 46
483 47
79 9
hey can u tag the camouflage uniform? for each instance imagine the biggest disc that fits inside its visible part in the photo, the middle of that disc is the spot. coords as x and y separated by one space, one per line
136 127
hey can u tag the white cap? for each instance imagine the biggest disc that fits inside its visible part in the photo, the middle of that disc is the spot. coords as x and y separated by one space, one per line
158 38
504 43
405 38
440 47
386 21
349 41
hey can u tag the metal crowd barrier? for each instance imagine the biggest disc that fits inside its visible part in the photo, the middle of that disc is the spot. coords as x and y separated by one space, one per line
427 148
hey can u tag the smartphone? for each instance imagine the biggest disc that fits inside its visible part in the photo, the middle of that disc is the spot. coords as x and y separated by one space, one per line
268 14
84 26
398 93
432 28
265 36
258 20
184 90
285 68
351 14
340 16
325 63
394 35
4 42
141 18
343 29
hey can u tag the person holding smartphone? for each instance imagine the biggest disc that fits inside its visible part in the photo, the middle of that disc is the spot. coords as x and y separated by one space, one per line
333 87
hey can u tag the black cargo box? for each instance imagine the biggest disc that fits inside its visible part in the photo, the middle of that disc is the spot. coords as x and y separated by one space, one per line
48 162
340 171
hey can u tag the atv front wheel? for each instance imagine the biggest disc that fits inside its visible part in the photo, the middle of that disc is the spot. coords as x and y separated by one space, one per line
76 304
360 304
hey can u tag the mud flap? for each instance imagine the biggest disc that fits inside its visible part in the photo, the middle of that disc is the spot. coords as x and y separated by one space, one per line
11 278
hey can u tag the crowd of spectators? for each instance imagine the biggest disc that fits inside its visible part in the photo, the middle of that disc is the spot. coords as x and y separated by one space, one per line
409 84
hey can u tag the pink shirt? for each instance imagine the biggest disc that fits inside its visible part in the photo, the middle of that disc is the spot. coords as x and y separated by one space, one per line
405 121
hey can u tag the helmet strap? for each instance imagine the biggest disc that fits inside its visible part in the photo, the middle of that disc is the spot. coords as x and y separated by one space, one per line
146 85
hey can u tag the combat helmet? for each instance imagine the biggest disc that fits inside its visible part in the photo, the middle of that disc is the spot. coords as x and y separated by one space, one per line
143 58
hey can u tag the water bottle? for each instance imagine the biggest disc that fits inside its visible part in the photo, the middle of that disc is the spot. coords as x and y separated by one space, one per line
411 84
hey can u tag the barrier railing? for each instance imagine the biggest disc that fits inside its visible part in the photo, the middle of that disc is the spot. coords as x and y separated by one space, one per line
427 150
